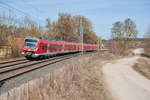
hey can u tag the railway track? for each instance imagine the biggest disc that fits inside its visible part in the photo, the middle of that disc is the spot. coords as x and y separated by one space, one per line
10 64
12 61
8 71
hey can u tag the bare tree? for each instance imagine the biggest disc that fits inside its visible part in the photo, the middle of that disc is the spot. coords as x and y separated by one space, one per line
49 29
147 42
124 34
88 33
130 30
126 30
117 30
63 28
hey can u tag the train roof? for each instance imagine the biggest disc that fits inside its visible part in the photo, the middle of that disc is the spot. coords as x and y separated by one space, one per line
30 37
41 38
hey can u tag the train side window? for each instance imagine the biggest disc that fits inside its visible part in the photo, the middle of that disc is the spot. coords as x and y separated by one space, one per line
45 47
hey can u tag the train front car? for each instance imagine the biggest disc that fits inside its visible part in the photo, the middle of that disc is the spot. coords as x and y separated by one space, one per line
30 47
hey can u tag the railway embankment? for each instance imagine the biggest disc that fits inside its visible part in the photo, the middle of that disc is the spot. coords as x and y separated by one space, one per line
77 78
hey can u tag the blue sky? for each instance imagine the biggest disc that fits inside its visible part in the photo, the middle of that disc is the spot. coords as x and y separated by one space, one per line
102 13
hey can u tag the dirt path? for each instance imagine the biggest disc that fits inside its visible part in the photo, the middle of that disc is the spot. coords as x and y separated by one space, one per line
124 83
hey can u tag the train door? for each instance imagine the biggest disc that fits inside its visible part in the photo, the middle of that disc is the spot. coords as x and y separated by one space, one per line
63 47
48 47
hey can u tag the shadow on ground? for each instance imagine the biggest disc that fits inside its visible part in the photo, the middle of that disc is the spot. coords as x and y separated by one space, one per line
145 55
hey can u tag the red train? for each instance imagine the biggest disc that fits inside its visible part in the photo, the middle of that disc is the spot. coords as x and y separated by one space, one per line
37 47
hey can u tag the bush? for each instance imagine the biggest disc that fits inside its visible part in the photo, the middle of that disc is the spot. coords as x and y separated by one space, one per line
15 45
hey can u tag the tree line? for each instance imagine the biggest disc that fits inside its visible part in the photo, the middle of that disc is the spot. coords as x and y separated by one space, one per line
66 28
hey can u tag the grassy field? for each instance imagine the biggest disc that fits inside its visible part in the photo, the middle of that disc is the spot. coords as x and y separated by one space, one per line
81 79
143 67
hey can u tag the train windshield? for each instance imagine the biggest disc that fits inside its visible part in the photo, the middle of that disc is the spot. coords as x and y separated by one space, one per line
30 43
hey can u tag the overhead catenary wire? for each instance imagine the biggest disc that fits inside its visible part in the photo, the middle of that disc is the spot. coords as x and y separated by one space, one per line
7 18
36 10
7 6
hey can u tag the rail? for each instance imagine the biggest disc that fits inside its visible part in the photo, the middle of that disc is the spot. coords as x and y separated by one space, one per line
12 72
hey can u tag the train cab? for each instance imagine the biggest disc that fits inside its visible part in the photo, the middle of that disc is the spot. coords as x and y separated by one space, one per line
30 47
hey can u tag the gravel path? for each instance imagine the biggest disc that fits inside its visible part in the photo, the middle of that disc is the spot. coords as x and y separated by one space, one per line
125 83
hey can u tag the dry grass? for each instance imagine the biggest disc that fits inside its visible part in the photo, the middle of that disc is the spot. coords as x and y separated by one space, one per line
12 49
5 52
143 67
82 79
